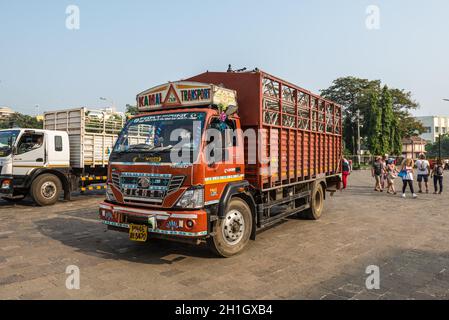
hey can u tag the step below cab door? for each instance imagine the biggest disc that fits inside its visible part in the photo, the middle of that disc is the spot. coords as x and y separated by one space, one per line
29 152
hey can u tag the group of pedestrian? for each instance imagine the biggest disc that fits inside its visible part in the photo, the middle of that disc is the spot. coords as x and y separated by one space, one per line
385 171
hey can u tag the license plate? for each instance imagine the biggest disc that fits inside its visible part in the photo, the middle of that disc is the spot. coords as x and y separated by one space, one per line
138 233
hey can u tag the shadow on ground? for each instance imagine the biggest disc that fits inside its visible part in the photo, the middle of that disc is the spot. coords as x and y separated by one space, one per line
93 238
404 274
28 201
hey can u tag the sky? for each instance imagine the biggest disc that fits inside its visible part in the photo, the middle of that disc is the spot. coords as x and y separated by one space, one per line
124 47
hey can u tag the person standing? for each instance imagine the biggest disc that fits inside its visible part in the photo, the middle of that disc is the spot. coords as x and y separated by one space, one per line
384 176
407 177
377 171
346 168
392 173
437 174
423 167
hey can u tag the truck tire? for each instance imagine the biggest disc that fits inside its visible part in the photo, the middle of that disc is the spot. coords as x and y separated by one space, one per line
46 189
232 233
316 204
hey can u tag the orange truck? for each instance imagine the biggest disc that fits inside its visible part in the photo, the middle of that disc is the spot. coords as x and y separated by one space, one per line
220 156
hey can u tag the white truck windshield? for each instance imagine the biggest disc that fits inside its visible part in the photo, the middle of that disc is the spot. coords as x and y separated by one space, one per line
7 140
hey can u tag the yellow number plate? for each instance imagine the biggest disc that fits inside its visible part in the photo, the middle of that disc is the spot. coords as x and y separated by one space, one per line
138 233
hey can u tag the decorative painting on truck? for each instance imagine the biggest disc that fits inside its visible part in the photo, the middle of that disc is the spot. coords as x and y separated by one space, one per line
185 94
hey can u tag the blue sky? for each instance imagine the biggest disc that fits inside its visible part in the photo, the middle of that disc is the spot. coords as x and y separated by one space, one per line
124 47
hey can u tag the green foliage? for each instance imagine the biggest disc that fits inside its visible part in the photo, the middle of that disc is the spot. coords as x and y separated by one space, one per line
18 120
353 94
374 125
131 110
386 107
396 137
433 148
356 94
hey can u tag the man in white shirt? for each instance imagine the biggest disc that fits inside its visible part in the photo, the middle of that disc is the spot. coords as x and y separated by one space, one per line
423 167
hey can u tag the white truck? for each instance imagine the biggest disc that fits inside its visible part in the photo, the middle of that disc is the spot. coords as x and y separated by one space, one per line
69 153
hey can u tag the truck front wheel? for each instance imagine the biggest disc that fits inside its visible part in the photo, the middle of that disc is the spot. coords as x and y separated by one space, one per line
46 189
232 233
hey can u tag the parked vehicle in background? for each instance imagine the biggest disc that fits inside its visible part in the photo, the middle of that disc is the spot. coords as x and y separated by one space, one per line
225 201
69 154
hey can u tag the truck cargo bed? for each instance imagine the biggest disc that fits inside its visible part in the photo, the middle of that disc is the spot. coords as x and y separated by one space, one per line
92 133
301 133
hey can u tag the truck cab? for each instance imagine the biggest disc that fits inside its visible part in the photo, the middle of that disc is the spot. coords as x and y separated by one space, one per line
26 154
161 175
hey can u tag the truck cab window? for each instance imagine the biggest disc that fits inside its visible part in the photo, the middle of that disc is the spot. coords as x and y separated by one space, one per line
58 143
227 137
29 142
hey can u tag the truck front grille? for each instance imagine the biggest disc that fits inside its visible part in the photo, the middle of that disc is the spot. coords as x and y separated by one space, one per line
148 188
116 179
175 183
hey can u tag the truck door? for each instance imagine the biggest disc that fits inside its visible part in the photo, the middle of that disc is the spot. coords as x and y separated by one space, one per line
227 167
30 152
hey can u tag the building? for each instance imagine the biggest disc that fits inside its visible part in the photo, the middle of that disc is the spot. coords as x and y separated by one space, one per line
434 126
412 147
5 112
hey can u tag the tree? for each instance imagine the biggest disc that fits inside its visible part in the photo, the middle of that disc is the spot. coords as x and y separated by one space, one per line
403 103
374 125
19 120
386 107
354 94
433 148
131 110
396 137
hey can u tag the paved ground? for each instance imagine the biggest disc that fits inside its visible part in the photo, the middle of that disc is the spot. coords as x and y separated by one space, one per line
406 239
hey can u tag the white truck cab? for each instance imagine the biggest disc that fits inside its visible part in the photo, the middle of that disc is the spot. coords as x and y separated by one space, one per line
70 154
26 154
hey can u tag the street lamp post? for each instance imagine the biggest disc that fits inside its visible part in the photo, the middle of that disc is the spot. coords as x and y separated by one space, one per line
359 149
439 138
112 102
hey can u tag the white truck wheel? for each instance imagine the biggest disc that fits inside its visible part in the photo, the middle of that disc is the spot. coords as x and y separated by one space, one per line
46 189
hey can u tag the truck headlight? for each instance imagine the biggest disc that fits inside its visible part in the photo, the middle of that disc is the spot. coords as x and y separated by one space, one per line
110 195
193 198
6 184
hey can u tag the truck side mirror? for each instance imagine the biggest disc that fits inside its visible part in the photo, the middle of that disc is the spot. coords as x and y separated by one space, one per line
14 150
231 110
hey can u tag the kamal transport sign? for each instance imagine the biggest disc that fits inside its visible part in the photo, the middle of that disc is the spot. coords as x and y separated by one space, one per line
184 93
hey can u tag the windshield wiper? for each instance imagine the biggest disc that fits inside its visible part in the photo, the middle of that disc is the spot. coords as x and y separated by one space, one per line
158 149
142 146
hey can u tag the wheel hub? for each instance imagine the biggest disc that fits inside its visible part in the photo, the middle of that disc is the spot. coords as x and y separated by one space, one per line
233 227
48 189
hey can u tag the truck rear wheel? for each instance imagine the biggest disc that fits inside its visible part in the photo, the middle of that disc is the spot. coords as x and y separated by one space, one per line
316 204
232 233
46 189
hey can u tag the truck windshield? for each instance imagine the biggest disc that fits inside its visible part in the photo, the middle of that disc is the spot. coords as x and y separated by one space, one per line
161 135
7 140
